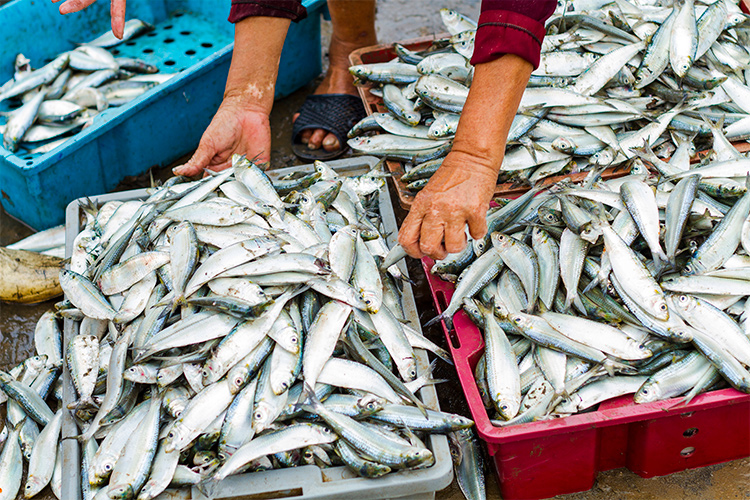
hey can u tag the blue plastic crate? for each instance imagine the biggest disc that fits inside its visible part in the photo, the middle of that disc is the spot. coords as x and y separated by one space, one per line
190 36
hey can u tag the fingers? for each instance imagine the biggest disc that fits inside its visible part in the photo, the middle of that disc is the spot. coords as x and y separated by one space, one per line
477 221
408 235
74 5
455 238
200 160
117 11
431 238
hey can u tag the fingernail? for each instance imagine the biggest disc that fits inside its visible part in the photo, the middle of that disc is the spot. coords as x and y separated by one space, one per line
329 141
311 146
178 170
305 140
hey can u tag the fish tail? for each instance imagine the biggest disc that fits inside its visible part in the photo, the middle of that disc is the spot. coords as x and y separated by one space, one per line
434 321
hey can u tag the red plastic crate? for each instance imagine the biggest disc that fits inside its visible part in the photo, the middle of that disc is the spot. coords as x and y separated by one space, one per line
543 459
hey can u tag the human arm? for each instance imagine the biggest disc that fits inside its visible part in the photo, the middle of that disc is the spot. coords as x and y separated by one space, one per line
241 125
459 193
507 46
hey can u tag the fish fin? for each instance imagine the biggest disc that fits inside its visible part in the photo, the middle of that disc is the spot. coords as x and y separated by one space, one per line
207 487
435 320
591 285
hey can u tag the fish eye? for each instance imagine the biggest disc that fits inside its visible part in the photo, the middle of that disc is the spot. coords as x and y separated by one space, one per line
258 416
108 467
683 298
238 381
644 391
171 435
663 307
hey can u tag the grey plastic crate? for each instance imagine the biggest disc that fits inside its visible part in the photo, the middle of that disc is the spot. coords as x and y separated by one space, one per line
308 482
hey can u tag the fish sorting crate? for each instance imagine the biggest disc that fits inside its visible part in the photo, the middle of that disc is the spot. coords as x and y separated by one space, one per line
373 104
307 482
559 456
191 37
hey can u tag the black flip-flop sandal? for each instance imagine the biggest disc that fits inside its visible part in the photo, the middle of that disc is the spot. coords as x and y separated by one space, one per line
334 113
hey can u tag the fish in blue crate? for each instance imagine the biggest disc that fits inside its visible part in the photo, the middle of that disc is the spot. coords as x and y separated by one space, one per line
49 104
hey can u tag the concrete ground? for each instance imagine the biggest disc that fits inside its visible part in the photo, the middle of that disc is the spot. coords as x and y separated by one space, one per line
398 20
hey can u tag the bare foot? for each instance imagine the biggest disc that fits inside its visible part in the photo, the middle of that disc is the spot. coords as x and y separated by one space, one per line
337 80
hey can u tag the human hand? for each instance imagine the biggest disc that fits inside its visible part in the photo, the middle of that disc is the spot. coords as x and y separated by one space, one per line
457 195
235 129
117 12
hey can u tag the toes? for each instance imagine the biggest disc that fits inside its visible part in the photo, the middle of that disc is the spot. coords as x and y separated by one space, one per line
331 143
316 139
305 136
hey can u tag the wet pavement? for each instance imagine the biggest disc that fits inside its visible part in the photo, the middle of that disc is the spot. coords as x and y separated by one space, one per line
402 19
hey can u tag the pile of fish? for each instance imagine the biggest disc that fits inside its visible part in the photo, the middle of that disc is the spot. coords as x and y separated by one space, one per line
613 77
212 318
639 284
48 242
63 96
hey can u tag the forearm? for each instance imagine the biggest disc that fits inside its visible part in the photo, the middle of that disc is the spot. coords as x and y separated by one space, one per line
255 61
486 118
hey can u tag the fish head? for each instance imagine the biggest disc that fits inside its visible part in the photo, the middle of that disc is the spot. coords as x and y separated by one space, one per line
262 416
134 372
121 492
682 334
26 450
370 404
691 268
507 407
176 438
684 66
449 16
462 422
37 362
644 351
33 486
563 144
684 302
419 456
737 18
657 306
360 71
203 457
212 371
648 393
501 240
371 301
480 245
308 456
550 217
237 379
101 471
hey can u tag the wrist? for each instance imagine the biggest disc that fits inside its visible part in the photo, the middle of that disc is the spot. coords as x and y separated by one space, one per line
473 162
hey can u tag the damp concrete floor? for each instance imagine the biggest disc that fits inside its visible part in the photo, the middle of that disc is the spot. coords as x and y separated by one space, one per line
398 20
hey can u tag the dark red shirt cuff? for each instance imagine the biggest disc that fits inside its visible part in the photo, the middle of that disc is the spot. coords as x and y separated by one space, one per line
502 32
289 9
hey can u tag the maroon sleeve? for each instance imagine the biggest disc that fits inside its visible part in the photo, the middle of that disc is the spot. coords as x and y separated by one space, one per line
511 27
289 9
